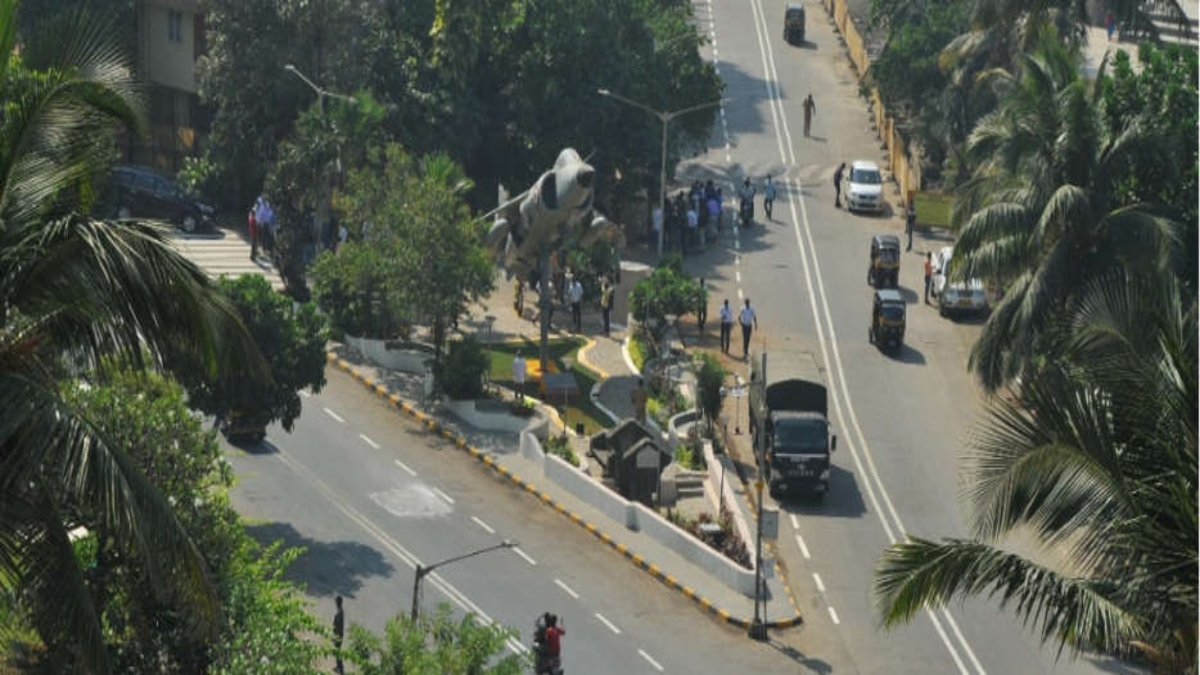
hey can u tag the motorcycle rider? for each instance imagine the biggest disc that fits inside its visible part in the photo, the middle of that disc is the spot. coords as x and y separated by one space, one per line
747 206
548 645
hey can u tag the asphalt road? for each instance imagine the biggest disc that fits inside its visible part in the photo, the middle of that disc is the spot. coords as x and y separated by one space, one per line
901 420
367 492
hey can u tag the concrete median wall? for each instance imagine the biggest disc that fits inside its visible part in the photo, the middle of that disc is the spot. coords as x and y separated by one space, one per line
498 421
408 360
719 487
635 516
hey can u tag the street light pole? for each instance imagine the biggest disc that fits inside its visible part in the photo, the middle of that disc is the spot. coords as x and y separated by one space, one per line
424 571
321 93
666 118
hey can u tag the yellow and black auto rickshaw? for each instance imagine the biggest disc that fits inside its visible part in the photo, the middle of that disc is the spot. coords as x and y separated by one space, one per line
887 320
793 23
884 269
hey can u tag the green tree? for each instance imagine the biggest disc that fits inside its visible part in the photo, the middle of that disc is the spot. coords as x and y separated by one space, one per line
290 338
1041 211
71 291
416 213
1097 481
667 291
709 382
435 645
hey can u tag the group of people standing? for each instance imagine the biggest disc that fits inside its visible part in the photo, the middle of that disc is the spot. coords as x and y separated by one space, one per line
263 226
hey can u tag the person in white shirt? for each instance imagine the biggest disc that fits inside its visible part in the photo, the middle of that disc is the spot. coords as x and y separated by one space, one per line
769 197
693 223
749 320
576 296
726 325
519 377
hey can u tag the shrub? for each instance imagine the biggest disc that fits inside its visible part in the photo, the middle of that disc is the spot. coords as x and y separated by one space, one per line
460 375
667 291
640 349
352 286
709 381
560 446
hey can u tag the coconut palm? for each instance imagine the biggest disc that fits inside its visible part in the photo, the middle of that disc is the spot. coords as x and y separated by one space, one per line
1041 212
1082 496
72 290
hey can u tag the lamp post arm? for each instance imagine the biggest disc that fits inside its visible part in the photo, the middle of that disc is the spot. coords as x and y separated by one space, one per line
311 85
423 571
711 104
628 101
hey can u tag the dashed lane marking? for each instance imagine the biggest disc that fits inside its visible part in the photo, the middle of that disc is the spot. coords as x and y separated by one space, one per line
820 584
404 466
366 439
567 589
523 554
443 495
485 526
650 660
334 415
803 548
833 615
608 623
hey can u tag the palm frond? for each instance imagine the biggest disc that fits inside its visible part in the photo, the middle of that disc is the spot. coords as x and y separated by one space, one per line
1079 612
1067 205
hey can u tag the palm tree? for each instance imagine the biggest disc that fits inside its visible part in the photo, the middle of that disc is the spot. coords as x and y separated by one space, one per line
72 290
1040 210
1082 497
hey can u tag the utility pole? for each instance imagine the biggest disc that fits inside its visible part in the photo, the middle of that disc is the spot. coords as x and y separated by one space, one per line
758 628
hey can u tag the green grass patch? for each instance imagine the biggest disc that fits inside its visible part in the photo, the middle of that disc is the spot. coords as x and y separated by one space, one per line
500 358
639 351
933 208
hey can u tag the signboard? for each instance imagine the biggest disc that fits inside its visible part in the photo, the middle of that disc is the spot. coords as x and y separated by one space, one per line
770 523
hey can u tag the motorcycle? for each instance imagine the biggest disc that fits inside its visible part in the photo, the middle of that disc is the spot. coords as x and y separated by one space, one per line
747 212
543 662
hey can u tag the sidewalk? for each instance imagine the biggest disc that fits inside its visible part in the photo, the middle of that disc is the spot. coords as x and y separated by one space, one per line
495 320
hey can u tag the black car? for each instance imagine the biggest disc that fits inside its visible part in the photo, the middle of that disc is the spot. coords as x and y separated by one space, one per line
139 192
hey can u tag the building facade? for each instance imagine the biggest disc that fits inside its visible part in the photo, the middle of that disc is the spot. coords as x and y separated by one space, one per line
170 38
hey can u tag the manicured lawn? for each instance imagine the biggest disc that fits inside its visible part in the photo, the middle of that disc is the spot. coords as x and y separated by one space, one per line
581 409
933 208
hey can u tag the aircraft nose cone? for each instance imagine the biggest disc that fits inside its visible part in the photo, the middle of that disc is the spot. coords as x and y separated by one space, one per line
585 177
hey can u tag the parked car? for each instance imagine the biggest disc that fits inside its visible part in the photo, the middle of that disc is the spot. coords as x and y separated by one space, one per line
956 297
865 189
140 192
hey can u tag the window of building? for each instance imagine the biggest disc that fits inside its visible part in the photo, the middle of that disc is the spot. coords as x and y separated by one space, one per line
175 26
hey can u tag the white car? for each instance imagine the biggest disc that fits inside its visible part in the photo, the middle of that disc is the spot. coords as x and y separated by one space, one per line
956 296
865 187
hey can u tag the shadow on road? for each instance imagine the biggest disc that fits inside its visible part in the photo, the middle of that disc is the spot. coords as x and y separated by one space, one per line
263 447
843 501
908 354
813 664
325 568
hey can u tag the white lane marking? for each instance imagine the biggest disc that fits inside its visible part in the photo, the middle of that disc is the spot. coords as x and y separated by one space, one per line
795 523
484 525
334 415
820 584
737 275
650 660
803 548
404 466
781 124
443 495
608 623
393 546
368 441
833 615
305 394
566 588
523 554
739 294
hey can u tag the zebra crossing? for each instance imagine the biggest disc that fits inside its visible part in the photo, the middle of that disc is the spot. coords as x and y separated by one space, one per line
225 252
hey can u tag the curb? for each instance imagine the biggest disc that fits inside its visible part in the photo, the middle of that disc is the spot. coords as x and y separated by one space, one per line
432 424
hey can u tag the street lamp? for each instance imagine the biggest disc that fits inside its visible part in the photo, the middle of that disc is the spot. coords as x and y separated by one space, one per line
666 118
321 93
424 570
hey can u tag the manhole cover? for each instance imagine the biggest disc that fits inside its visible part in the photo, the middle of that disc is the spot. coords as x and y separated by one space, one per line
414 501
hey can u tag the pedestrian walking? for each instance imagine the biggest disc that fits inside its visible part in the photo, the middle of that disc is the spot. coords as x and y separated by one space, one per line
910 222
1110 25
769 197
606 302
693 225
339 631
749 320
837 185
702 308
928 275
576 295
252 222
638 398
726 326
810 111
519 370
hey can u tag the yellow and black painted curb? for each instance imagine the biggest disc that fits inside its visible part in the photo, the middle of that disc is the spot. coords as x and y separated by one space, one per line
668 580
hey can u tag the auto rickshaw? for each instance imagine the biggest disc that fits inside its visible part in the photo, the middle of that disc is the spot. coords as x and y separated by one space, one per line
887 320
793 23
884 269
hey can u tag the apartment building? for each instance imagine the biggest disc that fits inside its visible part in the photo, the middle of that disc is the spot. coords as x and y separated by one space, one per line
170 37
